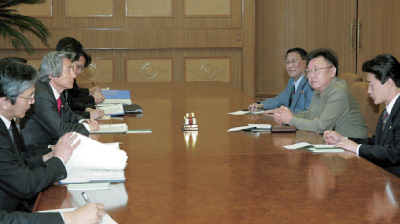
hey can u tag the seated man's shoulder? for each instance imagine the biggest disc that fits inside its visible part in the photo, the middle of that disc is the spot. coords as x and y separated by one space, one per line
340 86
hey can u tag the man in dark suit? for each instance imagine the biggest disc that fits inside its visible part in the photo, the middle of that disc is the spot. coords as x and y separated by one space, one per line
383 149
23 175
81 98
51 117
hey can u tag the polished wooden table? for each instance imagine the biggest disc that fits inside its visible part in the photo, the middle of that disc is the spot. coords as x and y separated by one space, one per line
215 176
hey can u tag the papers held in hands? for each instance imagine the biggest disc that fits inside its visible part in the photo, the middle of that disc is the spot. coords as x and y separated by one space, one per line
253 127
242 112
111 128
93 161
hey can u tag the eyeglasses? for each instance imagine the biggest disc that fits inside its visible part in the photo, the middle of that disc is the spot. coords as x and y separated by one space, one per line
293 61
316 71
30 99
80 67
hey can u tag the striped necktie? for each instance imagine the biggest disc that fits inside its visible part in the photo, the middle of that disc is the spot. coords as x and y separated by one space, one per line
384 119
292 95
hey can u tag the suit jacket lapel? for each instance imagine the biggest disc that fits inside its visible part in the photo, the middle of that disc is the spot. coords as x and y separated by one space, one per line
298 90
385 134
6 134
51 94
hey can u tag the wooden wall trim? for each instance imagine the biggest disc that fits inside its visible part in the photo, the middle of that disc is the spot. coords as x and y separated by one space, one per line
143 39
249 49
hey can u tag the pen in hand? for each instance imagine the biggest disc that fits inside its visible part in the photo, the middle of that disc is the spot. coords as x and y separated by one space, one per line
85 197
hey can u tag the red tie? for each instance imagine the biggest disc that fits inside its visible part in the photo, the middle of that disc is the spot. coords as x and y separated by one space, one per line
59 105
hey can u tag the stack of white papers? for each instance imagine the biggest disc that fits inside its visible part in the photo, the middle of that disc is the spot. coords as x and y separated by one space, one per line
314 148
324 148
95 161
111 128
113 109
297 145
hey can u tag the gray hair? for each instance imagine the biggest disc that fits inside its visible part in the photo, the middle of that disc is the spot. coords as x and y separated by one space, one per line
52 64
15 78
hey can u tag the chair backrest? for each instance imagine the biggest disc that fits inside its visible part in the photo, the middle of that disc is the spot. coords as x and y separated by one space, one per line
369 110
350 78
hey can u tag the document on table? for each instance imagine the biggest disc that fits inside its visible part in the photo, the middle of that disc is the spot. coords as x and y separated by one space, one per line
324 148
105 117
134 131
93 175
106 218
116 109
242 112
252 127
111 128
297 145
89 186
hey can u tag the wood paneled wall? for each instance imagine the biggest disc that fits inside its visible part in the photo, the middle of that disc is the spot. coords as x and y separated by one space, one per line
129 39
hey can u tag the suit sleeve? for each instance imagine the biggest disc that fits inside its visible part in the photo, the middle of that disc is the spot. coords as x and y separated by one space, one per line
30 218
328 116
22 180
387 155
46 115
279 100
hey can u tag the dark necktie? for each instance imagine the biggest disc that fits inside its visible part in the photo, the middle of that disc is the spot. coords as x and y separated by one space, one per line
59 104
384 118
292 95
16 137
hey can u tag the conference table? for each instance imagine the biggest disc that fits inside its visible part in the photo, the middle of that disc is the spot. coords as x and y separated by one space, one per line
215 176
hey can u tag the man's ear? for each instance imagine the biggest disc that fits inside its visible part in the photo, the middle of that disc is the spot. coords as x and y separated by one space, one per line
4 103
333 72
389 82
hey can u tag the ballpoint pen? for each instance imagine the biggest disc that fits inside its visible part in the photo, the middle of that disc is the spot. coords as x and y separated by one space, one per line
85 197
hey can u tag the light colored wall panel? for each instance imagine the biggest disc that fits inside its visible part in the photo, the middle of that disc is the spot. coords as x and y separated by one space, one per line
89 8
149 70
38 10
101 70
208 69
208 8
148 8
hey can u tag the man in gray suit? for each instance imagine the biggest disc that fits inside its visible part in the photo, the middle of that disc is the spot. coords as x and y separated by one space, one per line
333 106
23 175
51 117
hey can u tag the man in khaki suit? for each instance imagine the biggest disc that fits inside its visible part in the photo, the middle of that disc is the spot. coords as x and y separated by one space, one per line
333 107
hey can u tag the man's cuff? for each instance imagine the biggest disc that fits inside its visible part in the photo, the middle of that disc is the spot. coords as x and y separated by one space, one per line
87 126
358 149
60 159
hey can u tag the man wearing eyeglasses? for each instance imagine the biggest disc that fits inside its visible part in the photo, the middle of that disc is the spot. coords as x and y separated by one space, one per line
23 175
298 93
51 117
81 99
333 107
